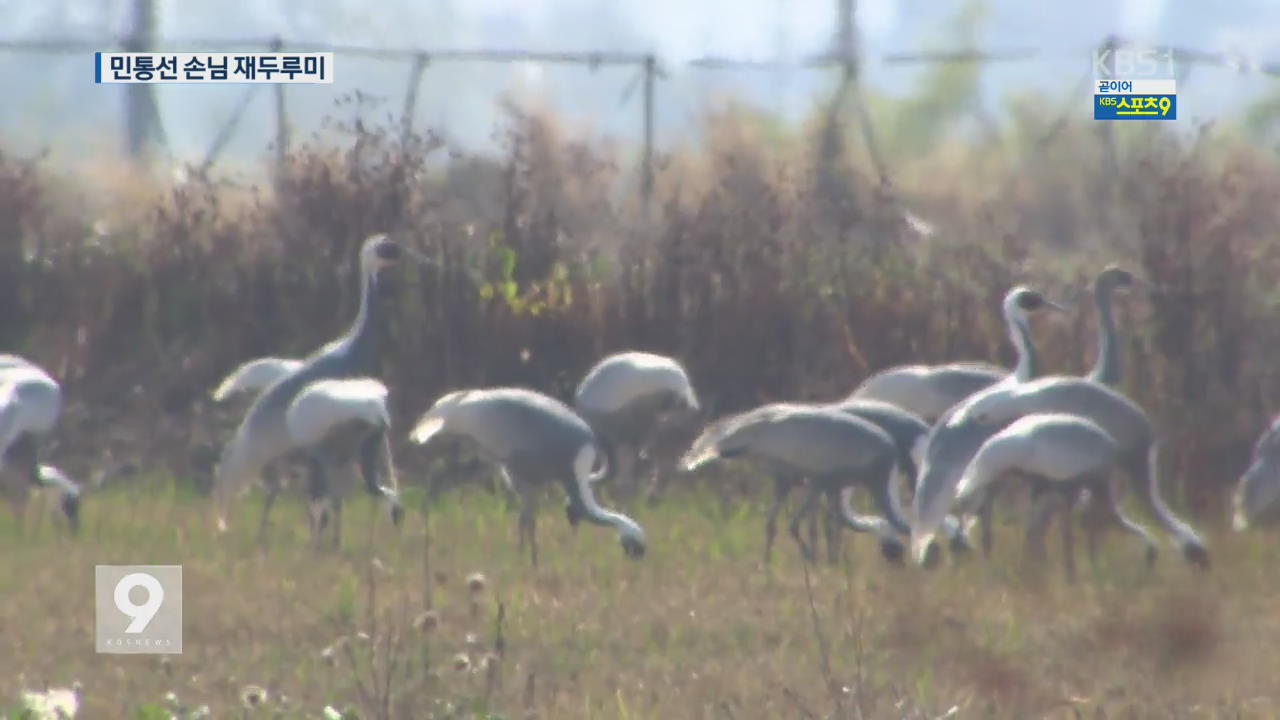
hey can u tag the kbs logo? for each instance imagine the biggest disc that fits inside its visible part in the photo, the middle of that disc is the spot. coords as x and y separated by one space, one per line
139 608
1133 63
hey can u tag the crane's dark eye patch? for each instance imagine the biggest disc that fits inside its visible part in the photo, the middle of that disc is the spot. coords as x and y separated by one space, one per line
1030 301
387 250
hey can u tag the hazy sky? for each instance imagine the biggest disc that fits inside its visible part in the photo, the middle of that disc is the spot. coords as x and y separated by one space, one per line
55 102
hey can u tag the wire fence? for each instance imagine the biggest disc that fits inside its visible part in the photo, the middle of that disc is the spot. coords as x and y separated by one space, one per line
649 70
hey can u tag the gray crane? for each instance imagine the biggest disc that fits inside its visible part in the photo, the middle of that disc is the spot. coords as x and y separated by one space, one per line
953 445
908 432
1107 369
332 421
1257 491
1096 512
30 403
1018 303
624 396
832 448
535 440
1059 454
930 390
263 436
16 488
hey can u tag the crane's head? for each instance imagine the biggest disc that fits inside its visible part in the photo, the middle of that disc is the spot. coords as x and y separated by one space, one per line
378 256
1113 277
952 446
1022 301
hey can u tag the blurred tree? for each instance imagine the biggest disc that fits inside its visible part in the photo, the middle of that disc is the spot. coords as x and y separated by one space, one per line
946 91
1262 118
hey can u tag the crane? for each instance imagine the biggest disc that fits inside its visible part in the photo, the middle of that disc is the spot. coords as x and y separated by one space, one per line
908 433
332 421
263 435
953 445
929 390
624 396
30 403
1107 370
833 449
1059 454
534 439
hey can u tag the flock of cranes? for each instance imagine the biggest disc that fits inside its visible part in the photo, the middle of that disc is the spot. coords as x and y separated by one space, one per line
952 436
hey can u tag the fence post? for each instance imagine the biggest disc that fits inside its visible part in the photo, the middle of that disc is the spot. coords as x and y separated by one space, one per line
142 116
411 95
282 118
646 179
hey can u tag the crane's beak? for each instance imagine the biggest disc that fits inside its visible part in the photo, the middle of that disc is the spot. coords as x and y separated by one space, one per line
920 545
420 257
1065 309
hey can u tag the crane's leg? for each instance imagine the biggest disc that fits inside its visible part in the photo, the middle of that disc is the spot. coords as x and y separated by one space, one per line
1104 493
319 495
626 481
528 510
781 488
24 454
831 530
1066 502
16 492
1038 524
986 514
1086 504
336 505
806 510
271 489
811 525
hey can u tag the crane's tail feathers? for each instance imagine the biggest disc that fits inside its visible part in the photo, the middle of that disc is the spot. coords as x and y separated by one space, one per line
426 428
255 375
691 398
698 457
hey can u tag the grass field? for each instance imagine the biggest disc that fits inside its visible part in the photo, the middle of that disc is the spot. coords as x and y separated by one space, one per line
697 629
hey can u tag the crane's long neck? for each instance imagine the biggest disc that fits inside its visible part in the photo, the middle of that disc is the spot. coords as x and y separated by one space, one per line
1146 480
584 501
362 338
1106 369
1028 366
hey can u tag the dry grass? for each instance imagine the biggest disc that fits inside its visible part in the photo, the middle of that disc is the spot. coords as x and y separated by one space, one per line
697 629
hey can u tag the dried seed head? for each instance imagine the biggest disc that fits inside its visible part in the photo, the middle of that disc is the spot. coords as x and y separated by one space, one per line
427 622
253 696
476 583
329 655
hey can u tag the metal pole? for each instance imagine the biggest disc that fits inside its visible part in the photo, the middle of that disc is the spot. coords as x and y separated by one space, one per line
650 71
282 118
411 95
141 113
